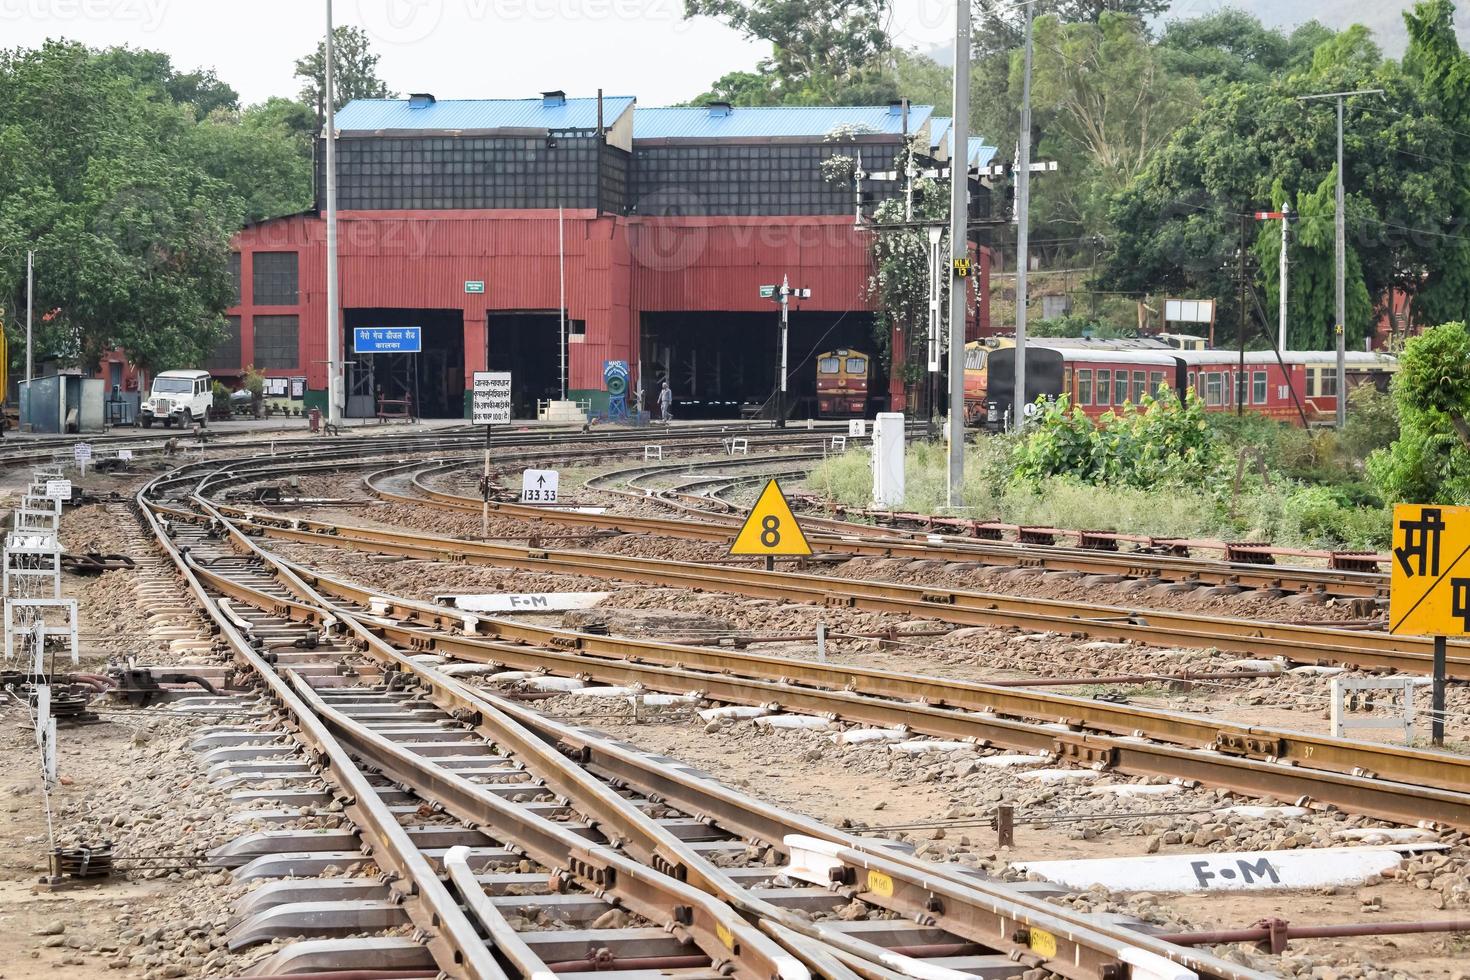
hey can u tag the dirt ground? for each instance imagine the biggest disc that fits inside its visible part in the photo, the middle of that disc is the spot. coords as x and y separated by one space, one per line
128 778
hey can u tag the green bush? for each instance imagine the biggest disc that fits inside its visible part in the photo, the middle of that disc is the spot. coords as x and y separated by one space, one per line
1161 440
1429 462
1286 512
1372 422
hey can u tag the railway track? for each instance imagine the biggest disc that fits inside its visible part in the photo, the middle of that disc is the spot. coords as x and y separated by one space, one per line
845 537
489 823
1155 627
1405 785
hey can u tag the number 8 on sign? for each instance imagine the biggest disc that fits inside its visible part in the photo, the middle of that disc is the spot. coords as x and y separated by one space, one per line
770 531
770 528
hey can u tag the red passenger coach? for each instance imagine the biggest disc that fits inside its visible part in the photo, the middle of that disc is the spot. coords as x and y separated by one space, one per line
1290 386
1099 381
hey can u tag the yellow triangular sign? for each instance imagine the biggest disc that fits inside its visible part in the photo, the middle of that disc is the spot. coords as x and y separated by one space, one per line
771 528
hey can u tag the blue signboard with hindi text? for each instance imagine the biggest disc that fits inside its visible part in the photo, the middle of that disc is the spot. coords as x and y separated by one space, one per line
388 340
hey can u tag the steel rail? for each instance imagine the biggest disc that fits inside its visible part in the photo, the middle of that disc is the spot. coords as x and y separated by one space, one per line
688 913
888 543
1072 952
1402 785
445 929
901 884
1410 766
1154 627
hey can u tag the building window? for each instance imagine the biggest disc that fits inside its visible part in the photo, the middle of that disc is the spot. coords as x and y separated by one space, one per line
1104 386
1120 387
273 277
235 277
1084 386
226 356
276 343
1258 383
1213 390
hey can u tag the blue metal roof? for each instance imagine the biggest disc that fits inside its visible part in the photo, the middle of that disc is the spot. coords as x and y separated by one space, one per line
980 154
371 115
939 127
770 121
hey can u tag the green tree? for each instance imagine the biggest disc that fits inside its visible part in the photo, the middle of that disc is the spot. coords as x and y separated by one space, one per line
1231 45
824 52
131 235
740 88
1312 298
1110 104
1429 463
1177 227
354 71
200 89
996 38
263 154
899 285
1442 69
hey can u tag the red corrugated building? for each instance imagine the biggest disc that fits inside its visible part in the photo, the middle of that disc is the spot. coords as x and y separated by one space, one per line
659 226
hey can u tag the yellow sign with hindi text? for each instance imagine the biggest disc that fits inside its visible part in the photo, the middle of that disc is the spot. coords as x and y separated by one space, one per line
1429 571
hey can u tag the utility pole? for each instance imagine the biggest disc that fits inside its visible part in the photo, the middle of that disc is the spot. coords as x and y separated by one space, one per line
334 313
908 167
785 322
782 294
1023 231
959 250
1284 216
1285 279
935 234
1240 386
30 305
561 251
1341 243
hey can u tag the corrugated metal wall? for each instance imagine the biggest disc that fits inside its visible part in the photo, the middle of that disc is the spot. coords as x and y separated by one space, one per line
616 268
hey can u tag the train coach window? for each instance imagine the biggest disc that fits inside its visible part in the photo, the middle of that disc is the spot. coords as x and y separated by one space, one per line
1155 379
1138 386
1084 386
827 365
1213 390
1258 383
857 365
1104 389
1120 387
1327 386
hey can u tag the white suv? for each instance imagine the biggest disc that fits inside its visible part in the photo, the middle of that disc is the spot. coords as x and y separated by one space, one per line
178 396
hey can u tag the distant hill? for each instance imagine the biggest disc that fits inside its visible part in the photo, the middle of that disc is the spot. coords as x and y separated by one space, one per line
1384 17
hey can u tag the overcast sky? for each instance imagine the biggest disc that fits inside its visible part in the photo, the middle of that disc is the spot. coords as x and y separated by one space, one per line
509 48
452 48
